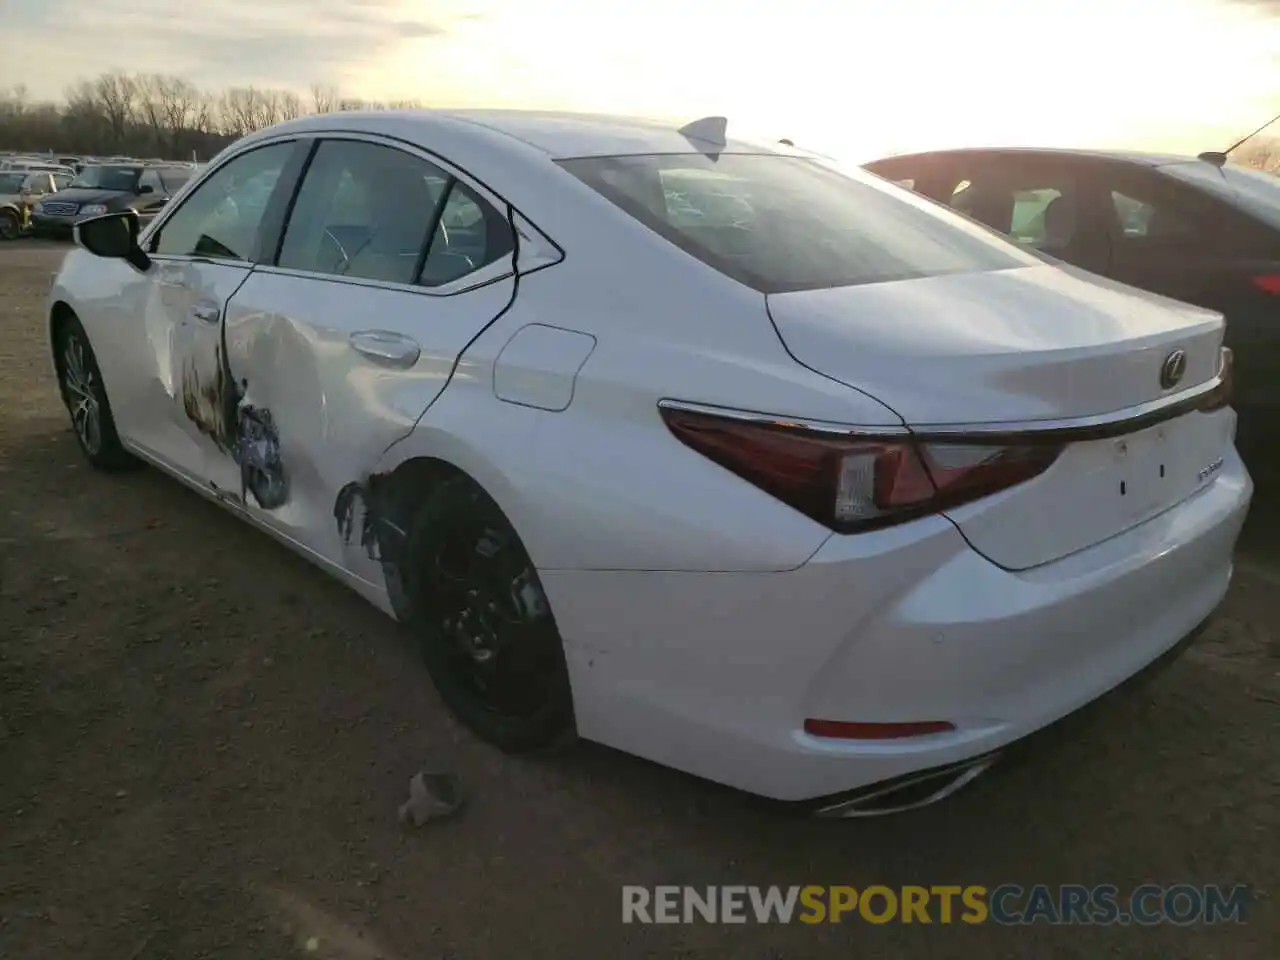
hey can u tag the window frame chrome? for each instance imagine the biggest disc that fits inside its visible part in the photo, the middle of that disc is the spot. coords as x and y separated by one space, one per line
537 249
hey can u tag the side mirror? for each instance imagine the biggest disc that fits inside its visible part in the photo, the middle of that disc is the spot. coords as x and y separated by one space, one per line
114 237
145 189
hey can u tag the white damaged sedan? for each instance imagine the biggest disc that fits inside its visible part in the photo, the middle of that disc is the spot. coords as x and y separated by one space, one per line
711 451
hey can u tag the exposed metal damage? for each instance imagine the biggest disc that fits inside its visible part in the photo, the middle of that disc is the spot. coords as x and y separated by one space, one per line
367 515
353 511
257 451
211 405
244 432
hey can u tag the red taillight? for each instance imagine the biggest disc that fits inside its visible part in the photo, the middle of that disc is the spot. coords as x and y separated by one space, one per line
1221 396
1268 283
851 483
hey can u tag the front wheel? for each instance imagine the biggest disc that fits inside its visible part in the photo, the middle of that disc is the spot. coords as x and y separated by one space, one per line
488 636
10 225
85 396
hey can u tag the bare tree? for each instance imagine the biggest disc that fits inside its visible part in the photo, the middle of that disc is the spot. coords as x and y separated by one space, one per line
117 93
290 105
157 114
324 99
149 109
1261 154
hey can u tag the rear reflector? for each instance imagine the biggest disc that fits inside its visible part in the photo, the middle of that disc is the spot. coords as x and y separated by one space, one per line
841 730
852 483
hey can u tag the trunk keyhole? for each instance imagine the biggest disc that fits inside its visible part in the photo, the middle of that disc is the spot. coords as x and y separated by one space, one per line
1122 488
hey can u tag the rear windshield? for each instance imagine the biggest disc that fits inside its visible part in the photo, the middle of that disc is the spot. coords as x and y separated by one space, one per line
781 224
1250 190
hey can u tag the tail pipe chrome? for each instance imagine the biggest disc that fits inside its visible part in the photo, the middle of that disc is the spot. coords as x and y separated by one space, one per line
909 792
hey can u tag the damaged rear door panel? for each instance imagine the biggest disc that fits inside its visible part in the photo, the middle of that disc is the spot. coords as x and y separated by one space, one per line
388 267
333 373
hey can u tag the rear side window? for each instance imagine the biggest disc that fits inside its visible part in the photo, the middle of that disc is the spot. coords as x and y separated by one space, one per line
377 213
780 224
364 211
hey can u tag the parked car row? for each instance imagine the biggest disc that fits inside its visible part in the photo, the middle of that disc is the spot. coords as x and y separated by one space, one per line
712 451
47 201
19 190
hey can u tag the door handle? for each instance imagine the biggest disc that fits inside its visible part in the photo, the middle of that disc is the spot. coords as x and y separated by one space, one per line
206 312
386 346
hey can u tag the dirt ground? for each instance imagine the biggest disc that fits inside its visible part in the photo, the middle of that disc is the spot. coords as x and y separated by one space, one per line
203 743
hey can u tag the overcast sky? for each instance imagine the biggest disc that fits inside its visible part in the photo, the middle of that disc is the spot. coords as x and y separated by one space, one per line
859 78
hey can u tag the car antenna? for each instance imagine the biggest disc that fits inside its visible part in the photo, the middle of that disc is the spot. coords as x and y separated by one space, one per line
710 131
1219 159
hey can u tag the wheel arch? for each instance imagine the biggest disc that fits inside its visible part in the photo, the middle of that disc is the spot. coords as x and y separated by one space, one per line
61 314
404 485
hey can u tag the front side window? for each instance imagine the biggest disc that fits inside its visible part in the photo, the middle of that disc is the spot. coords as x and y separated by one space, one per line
221 218
780 223
151 179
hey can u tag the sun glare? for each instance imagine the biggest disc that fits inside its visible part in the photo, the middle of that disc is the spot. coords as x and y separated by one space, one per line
860 78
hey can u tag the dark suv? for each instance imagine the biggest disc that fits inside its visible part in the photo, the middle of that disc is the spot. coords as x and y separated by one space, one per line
108 188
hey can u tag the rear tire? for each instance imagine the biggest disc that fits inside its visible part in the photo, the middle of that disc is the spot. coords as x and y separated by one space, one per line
487 632
10 225
85 397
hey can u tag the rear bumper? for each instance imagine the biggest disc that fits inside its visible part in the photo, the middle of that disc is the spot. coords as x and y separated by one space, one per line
715 674
923 787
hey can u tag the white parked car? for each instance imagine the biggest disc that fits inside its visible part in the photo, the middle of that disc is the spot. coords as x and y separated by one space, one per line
830 499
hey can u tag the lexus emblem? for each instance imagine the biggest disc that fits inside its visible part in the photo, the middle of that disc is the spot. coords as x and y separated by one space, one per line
1171 371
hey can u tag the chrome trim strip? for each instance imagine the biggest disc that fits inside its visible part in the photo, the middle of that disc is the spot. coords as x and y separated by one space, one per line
1119 421
1115 418
491 273
537 248
781 420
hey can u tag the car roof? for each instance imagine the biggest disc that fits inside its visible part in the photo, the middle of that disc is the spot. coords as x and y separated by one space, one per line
559 134
1141 158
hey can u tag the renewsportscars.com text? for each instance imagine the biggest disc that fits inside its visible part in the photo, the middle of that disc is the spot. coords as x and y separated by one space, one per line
1008 904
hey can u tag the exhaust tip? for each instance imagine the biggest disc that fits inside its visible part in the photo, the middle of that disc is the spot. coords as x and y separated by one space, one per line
909 792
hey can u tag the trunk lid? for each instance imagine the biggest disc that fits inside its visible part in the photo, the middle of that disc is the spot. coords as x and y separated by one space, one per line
1035 343
1021 349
